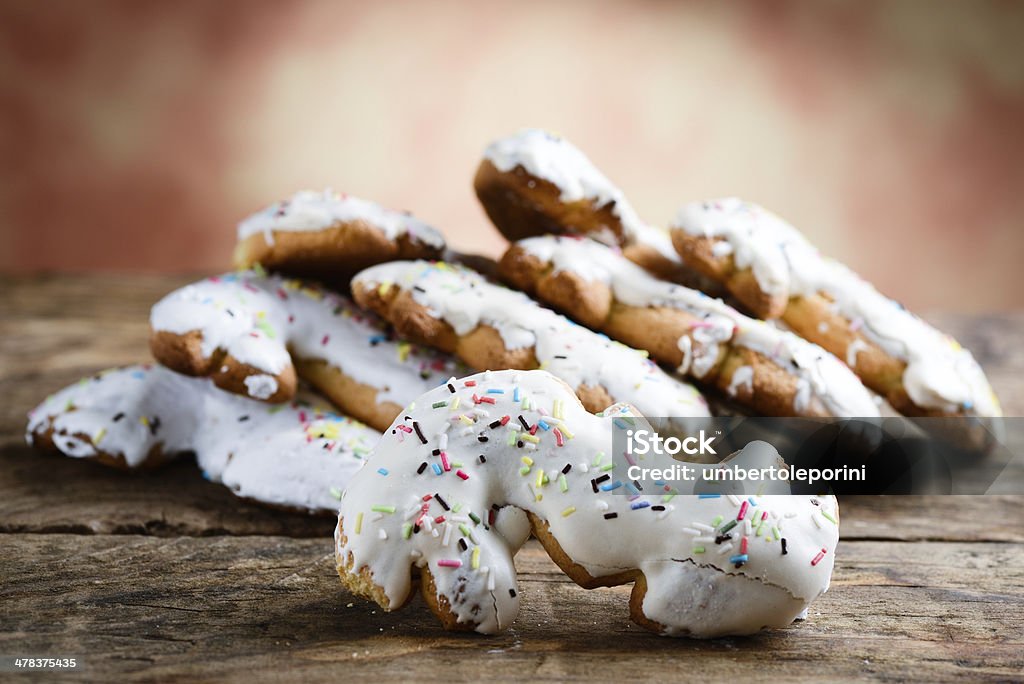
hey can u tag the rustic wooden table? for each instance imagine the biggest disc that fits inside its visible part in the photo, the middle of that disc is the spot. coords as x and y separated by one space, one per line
166 577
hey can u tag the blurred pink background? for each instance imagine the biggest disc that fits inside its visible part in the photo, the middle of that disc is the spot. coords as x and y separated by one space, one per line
134 135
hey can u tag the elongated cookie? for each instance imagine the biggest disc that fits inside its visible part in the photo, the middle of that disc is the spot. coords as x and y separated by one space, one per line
702 566
250 332
775 272
489 326
330 236
296 456
534 182
771 371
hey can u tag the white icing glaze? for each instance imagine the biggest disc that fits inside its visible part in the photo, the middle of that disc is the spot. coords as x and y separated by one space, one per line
940 373
300 455
421 510
258 319
820 374
577 355
308 211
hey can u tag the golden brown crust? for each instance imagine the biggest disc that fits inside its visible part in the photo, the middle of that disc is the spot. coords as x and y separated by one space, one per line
332 255
697 252
183 354
522 205
43 439
351 397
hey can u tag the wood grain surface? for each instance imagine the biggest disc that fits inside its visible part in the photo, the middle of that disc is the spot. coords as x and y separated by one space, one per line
163 576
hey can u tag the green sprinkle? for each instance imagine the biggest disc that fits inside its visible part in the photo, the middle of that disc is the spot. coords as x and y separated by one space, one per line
475 518
406 530
439 404
336 493
728 526
382 509
606 467
465 530
828 517
698 549
717 521
563 484
525 470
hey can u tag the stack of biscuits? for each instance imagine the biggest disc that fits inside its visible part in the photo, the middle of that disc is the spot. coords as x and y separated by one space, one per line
280 377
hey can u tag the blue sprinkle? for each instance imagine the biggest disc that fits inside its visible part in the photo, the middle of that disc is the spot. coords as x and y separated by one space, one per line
543 425
515 393
437 468
709 496
632 488
621 424
382 471
639 504
611 486
495 391
376 339
738 559
751 500
659 483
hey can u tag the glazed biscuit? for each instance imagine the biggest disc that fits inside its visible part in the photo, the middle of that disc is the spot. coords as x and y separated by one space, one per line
250 333
767 370
775 272
534 182
328 236
298 456
701 566
489 326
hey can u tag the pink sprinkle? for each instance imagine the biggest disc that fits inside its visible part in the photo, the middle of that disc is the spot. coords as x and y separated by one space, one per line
461 474
302 416
323 342
743 546
291 318
470 383
444 462
406 428
446 563
439 519
764 516
505 419
250 287
428 497
856 324
281 294
817 559
559 439
743 511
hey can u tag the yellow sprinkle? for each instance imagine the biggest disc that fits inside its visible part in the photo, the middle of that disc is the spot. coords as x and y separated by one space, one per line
403 351
98 437
568 511
383 289
144 420
540 477
455 403
566 433
359 523
465 419
474 560
527 460
527 437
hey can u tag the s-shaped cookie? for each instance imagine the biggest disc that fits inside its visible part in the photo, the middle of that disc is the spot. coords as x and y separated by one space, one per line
297 456
771 371
490 326
250 332
702 566
775 272
329 236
